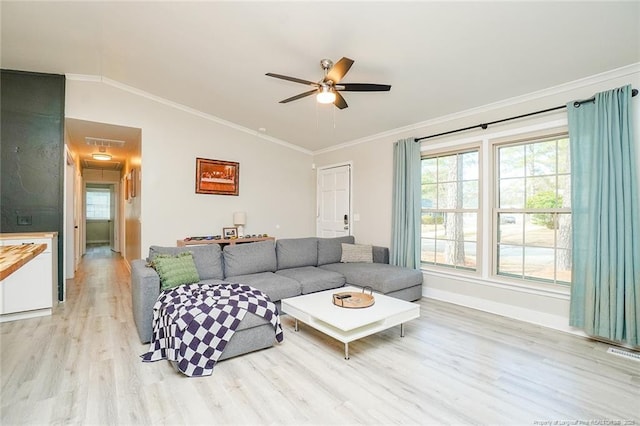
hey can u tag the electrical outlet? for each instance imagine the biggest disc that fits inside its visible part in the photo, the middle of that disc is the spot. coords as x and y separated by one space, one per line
25 221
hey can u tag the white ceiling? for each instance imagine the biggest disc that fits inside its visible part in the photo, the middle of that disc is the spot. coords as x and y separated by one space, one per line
439 57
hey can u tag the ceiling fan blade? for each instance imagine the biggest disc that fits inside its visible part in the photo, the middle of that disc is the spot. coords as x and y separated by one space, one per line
300 96
340 102
339 69
295 80
363 87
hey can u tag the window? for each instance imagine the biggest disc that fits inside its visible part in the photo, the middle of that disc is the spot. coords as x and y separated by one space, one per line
524 213
450 202
532 217
98 204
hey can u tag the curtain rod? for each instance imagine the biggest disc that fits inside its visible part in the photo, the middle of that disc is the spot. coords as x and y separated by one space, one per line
576 104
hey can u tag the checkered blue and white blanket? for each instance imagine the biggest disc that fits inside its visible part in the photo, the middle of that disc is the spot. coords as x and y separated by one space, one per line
193 323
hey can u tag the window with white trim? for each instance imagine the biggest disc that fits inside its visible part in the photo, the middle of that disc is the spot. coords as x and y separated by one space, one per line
450 209
527 210
532 215
98 204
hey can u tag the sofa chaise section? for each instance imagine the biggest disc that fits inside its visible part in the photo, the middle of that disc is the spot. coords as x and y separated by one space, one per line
395 281
252 334
389 280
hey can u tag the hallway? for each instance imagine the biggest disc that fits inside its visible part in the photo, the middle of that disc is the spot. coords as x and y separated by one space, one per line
100 251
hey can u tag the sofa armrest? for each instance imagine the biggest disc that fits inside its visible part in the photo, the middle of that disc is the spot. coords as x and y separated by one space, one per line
145 289
380 254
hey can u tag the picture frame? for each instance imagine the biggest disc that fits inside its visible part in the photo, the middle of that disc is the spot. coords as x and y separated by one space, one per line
132 183
217 177
230 232
127 186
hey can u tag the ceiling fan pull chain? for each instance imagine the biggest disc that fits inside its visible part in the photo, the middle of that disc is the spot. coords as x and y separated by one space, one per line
334 121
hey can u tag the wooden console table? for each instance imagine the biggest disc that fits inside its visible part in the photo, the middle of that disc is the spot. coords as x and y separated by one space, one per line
222 241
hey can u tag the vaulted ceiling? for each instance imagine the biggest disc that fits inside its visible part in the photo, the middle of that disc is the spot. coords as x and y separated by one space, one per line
439 57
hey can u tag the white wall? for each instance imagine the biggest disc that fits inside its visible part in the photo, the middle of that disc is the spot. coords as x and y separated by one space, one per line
271 174
372 185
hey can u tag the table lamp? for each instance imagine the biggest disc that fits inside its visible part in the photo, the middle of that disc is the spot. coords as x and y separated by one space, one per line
239 220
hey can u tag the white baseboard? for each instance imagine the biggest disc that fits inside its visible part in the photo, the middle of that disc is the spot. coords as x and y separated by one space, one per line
556 322
25 314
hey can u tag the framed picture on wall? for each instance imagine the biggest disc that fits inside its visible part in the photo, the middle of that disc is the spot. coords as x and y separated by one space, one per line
132 184
217 177
127 186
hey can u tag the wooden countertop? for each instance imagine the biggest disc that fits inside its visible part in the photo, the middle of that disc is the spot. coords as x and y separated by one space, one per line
13 258
26 235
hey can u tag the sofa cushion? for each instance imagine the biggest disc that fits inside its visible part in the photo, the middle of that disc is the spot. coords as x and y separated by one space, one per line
314 279
297 252
249 258
380 254
353 253
380 276
212 281
275 286
330 249
175 270
208 258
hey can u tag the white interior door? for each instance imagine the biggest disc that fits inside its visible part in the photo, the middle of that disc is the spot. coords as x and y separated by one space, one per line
114 222
69 244
69 206
78 221
334 201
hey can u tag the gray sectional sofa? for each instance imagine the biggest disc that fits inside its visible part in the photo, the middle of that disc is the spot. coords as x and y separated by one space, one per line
286 268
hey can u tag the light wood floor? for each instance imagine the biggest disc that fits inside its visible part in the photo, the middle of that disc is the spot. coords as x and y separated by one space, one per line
455 366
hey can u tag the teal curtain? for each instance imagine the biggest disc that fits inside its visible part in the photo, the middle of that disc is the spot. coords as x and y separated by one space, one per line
605 293
405 216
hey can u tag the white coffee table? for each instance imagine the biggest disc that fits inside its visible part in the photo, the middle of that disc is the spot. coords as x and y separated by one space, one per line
344 324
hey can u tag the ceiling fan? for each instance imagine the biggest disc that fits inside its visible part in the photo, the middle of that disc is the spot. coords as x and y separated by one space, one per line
328 89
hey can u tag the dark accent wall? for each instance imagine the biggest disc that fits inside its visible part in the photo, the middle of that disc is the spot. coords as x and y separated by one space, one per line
32 157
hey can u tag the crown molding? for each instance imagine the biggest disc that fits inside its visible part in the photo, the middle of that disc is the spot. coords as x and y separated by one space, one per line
83 77
554 90
184 108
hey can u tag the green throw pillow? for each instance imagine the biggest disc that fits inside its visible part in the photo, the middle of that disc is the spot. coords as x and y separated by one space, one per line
175 270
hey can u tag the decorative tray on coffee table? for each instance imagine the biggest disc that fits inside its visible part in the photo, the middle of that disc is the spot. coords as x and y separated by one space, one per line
354 299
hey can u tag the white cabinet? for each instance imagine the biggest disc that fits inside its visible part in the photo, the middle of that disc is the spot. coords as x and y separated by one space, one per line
32 289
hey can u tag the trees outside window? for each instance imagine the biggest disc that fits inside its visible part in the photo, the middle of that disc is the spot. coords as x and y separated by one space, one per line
533 210
450 201
528 208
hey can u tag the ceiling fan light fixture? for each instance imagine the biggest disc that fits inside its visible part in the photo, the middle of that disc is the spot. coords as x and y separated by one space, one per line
326 95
